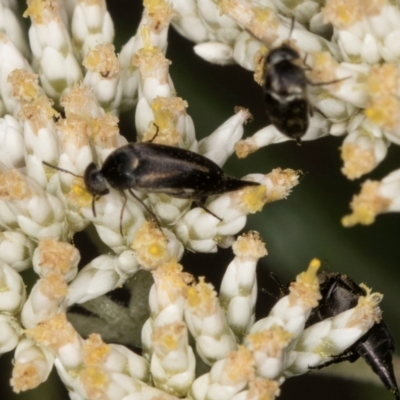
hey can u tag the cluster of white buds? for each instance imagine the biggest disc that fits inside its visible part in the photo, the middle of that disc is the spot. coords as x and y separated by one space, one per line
58 118
352 43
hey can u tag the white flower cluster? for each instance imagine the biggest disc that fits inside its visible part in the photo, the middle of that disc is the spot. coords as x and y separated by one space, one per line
56 112
353 42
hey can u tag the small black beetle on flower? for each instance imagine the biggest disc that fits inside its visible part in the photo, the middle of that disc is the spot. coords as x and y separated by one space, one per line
157 168
285 85
376 347
285 90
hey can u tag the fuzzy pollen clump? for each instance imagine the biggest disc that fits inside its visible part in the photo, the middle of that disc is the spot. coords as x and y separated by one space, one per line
249 245
53 256
166 112
54 333
240 364
103 60
15 186
357 161
383 105
306 286
25 85
151 246
271 342
202 298
367 205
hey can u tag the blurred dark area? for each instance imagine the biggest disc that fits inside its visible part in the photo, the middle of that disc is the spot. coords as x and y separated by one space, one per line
304 226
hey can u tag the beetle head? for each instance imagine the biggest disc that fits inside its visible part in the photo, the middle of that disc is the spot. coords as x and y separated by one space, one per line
282 53
95 182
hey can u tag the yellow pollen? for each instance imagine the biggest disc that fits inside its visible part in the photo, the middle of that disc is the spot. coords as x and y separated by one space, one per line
270 341
245 147
57 256
39 112
151 246
311 273
367 205
95 382
357 161
305 290
263 389
25 85
14 186
42 11
166 112
202 298
105 130
249 245
170 342
95 351
25 376
54 286
146 38
78 194
103 60
384 111
55 332
240 365
253 198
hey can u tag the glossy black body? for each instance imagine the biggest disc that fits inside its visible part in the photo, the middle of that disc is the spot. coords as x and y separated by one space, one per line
376 347
285 85
156 168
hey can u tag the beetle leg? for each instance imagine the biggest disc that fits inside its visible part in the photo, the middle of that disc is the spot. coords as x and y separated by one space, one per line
201 205
122 211
155 135
327 83
145 207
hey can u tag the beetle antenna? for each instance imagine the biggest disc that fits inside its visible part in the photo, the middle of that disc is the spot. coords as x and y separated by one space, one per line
93 206
122 211
291 28
201 205
61 169
145 207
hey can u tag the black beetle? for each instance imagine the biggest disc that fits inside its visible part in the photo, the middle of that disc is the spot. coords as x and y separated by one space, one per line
340 293
285 85
285 90
157 168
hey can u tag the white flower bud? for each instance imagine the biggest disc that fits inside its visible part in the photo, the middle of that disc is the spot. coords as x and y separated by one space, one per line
91 25
44 300
14 60
12 294
16 250
207 323
11 143
226 378
51 47
96 278
272 338
376 197
238 291
11 25
219 145
103 76
10 332
32 365
23 203
188 21
215 52
173 362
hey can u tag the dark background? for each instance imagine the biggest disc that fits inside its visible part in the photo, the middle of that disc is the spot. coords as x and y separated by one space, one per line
304 226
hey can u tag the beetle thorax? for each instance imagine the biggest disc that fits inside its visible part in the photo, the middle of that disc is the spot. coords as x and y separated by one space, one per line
282 53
